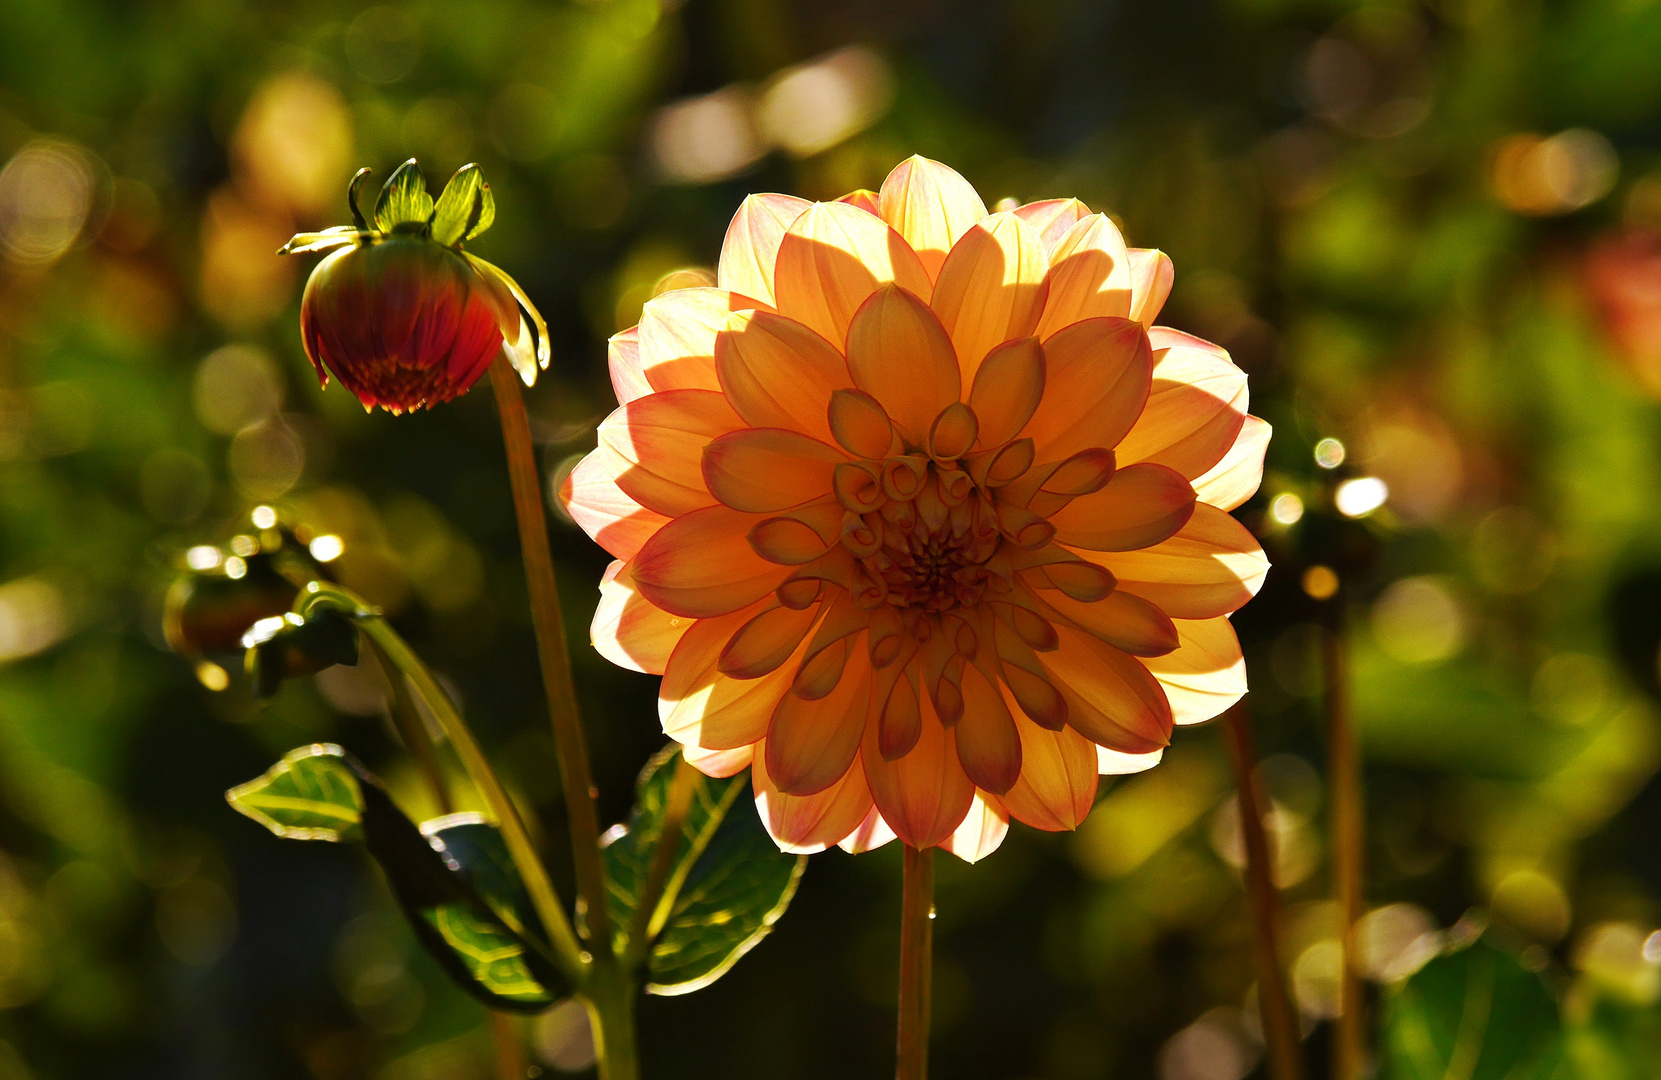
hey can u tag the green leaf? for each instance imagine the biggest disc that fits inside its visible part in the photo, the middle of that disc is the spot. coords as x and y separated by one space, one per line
287 646
404 200
1615 1039
465 209
1474 1013
311 794
452 877
727 884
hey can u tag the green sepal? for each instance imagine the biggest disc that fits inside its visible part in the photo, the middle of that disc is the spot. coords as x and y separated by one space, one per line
1476 1012
728 882
311 794
452 877
465 208
404 200
288 646
353 191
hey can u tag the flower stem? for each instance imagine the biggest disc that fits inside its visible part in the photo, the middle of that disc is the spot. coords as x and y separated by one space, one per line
510 1049
648 920
611 1001
556 663
412 729
1280 1023
1344 780
916 964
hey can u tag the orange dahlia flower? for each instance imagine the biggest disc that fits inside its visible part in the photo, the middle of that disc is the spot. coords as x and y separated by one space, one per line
919 516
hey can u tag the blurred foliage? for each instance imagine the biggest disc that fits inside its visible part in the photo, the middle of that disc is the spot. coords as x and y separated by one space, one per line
1383 210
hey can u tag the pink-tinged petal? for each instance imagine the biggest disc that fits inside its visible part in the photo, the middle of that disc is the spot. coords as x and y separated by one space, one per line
987 743
1089 276
804 824
1052 218
1210 567
1151 275
1058 778
1195 408
1097 375
925 795
630 630
1123 620
701 565
872 833
900 355
832 258
983 829
864 198
602 509
701 706
990 288
764 470
1114 763
677 336
662 437
1008 387
1111 698
628 378
719 764
1236 478
1206 674
778 373
811 744
1141 506
931 206
751 248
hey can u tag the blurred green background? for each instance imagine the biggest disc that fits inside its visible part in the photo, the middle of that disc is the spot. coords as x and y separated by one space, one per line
1427 230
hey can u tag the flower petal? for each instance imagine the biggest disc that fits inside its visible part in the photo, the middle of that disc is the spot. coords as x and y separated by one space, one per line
1123 620
1097 374
677 336
1114 763
1236 478
804 824
899 354
701 565
1206 674
1141 506
811 744
628 378
751 249
1058 778
1111 698
778 373
925 795
987 743
662 437
931 206
763 644
990 288
873 832
832 258
605 511
984 828
1089 276
630 630
1008 387
762 470
700 706
1195 408
1210 567
1151 275
1051 218
718 763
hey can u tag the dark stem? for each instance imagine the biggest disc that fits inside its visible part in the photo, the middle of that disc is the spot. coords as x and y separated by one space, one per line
1280 1022
1344 780
916 964
510 1049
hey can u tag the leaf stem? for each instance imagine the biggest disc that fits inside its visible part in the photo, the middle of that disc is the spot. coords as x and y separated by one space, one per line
648 920
1280 1023
569 740
1344 780
916 964
568 953
412 729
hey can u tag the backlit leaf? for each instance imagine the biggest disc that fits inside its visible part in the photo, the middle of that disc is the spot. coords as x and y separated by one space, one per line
311 794
404 199
465 208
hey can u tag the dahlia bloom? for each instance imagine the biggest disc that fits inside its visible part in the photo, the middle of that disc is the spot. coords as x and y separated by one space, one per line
920 517
399 313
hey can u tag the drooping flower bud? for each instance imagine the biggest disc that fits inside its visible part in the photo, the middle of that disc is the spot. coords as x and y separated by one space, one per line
399 313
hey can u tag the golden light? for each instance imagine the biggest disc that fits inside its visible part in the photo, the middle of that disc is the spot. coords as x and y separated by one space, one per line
1418 620
33 617
292 149
1541 176
46 195
234 387
1329 453
1286 509
814 106
705 138
203 557
326 548
1361 496
1320 583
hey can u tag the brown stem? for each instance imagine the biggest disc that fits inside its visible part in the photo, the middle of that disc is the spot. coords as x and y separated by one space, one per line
1280 1022
510 1049
556 663
916 964
1344 779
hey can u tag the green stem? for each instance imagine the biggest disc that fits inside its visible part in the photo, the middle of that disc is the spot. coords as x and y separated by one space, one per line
1344 777
570 955
575 780
412 729
916 964
611 1002
648 919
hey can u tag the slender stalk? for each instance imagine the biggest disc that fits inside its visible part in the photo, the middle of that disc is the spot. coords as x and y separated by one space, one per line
1344 780
1280 1022
568 953
412 729
510 1048
611 1000
648 920
916 964
578 787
